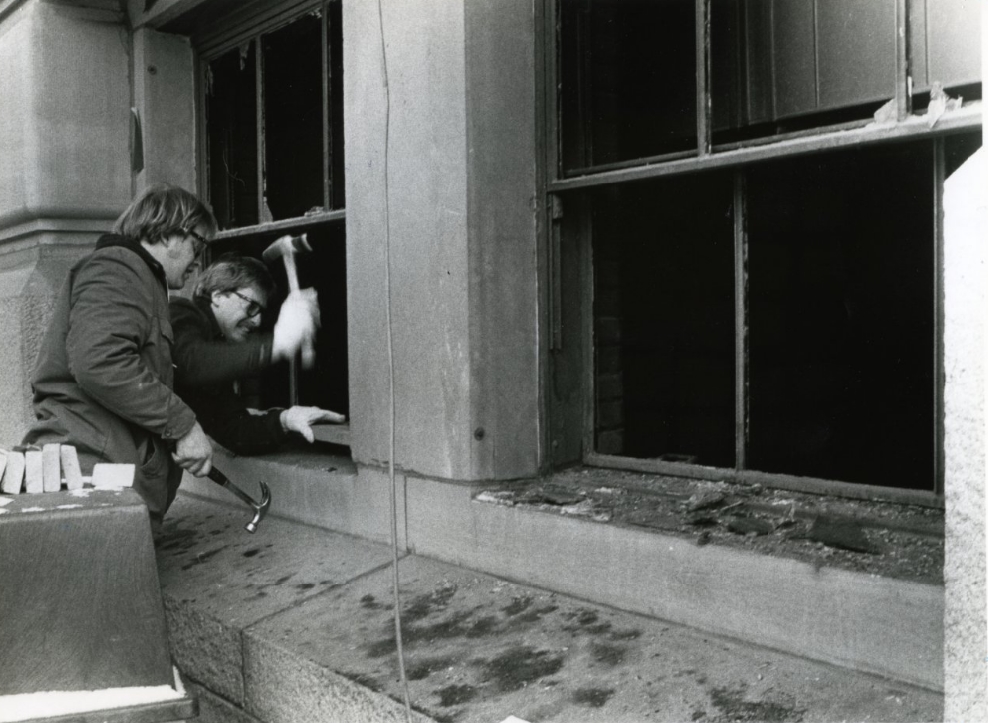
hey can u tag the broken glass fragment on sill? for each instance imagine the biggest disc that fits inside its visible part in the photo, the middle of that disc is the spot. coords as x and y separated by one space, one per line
842 534
940 103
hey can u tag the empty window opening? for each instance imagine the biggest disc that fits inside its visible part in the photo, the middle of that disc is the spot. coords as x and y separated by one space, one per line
628 80
231 136
664 320
273 113
293 119
841 312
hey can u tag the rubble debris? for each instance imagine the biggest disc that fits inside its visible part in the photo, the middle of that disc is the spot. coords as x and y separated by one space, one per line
705 500
750 526
843 534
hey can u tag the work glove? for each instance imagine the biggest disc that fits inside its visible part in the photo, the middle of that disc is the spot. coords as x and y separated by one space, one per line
296 327
194 452
301 419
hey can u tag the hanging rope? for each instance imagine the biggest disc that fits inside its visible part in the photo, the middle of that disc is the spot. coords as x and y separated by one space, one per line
391 374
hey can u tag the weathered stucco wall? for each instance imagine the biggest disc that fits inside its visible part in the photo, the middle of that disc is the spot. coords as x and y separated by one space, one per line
502 205
65 71
458 191
64 169
164 95
425 194
965 350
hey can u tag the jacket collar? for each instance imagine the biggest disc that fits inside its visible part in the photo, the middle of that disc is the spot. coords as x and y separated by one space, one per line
111 240
204 304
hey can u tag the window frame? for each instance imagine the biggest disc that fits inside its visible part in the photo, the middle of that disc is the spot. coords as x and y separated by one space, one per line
561 185
218 37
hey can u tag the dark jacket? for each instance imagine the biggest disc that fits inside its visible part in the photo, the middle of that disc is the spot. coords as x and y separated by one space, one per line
206 368
103 379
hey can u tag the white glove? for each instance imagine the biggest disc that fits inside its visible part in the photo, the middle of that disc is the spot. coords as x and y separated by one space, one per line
301 419
296 325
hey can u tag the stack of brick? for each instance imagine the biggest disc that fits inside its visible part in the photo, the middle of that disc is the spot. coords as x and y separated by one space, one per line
34 469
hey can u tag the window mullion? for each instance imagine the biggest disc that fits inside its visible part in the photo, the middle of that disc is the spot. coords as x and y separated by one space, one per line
327 126
939 176
703 77
903 94
259 110
740 320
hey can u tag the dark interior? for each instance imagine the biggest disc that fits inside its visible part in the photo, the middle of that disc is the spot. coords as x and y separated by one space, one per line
664 317
841 313
293 118
628 71
839 309
231 135
324 270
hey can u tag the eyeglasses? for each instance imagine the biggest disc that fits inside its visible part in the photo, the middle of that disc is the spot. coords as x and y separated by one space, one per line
199 241
254 307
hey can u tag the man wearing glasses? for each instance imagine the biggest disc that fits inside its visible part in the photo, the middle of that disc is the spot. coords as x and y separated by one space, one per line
218 342
103 381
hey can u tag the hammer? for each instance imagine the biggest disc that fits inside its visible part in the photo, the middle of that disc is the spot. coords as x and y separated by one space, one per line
286 247
260 508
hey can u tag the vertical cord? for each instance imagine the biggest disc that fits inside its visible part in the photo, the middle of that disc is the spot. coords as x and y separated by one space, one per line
391 373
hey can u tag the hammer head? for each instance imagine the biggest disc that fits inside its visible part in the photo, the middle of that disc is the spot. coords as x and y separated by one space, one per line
286 246
260 509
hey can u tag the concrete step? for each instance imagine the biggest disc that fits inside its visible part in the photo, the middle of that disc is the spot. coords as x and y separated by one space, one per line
295 623
874 623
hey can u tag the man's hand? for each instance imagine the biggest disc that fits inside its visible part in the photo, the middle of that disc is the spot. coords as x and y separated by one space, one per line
194 452
301 419
297 323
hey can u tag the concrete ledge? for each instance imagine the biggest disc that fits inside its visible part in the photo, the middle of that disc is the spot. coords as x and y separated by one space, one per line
879 625
313 487
874 624
312 611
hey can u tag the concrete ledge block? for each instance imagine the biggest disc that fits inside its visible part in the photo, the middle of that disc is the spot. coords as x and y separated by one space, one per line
878 625
285 688
214 709
205 649
321 490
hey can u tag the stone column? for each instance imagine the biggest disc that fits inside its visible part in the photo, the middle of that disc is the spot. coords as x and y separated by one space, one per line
450 178
965 350
64 168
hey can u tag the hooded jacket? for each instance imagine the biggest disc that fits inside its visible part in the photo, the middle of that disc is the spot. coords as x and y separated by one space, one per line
104 376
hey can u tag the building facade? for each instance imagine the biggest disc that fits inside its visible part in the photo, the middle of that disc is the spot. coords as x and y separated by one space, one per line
692 237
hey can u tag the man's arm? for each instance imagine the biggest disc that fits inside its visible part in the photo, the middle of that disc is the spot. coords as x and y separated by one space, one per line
226 419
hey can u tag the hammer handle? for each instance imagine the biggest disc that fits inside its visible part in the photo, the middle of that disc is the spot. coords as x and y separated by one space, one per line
308 353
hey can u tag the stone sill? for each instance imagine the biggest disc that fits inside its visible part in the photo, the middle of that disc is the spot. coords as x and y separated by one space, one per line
829 612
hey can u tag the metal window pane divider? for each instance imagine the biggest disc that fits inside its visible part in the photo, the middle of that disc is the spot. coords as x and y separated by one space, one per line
327 126
939 176
703 134
740 320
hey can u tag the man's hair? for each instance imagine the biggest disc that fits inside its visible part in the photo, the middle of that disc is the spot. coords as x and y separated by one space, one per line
232 272
163 210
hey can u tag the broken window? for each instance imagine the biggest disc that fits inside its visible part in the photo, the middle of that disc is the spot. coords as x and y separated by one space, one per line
759 292
273 129
664 320
627 85
785 65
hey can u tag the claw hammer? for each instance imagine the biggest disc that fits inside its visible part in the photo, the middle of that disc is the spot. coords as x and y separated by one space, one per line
285 248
